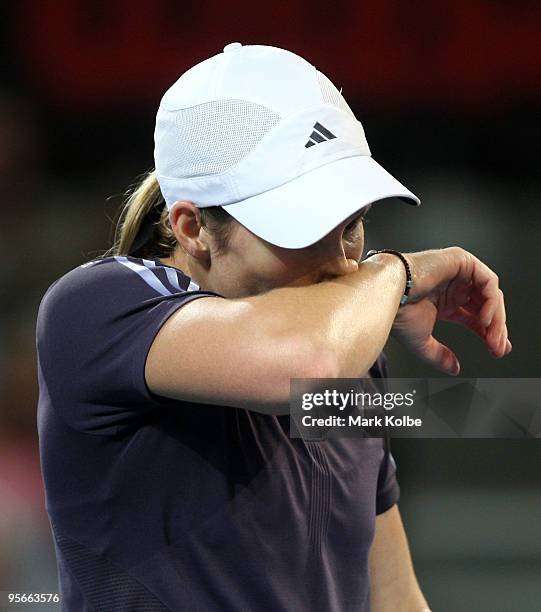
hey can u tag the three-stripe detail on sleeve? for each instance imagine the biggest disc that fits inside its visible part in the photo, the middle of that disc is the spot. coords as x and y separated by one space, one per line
147 270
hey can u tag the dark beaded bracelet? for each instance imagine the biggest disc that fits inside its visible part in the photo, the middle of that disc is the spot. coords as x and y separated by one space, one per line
409 282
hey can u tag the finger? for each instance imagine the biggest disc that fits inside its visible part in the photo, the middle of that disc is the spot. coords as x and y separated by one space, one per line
462 294
476 300
495 337
460 288
439 356
457 294
486 283
505 334
497 331
481 302
463 316
503 341
490 305
503 346
477 303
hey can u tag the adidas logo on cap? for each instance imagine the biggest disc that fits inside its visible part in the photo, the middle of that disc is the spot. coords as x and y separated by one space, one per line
320 134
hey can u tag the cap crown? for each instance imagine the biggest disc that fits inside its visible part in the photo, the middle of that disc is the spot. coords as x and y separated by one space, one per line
247 120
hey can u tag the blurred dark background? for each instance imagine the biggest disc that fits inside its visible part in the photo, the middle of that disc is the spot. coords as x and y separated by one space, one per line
448 93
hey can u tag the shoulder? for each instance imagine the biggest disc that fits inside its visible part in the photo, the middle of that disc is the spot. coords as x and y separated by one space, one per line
146 276
106 291
119 277
94 330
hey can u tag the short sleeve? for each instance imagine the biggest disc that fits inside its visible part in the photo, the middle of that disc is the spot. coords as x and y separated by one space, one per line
95 327
388 491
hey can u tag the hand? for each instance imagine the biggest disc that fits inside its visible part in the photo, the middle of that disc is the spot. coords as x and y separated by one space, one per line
451 285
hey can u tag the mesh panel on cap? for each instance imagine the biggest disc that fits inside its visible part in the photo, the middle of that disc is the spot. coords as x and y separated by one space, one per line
331 95
212 137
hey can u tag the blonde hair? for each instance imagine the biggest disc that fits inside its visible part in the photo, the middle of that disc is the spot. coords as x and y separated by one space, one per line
143 228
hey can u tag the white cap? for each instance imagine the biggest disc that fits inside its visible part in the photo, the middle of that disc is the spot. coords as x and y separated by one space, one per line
260 131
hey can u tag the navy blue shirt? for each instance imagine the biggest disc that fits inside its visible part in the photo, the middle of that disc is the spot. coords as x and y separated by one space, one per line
158 504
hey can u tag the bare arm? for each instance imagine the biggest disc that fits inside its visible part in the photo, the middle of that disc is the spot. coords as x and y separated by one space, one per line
243 352
393 582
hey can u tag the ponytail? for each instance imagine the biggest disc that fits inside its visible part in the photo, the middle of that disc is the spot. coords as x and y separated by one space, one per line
143 228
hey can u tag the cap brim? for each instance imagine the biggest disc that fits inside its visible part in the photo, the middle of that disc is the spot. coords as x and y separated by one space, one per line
302 211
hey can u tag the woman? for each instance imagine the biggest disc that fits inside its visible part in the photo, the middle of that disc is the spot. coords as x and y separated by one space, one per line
171 480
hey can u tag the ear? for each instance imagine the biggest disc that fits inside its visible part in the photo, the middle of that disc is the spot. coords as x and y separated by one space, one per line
185 219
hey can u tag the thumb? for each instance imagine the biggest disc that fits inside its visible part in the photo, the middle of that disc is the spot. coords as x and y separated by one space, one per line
440 356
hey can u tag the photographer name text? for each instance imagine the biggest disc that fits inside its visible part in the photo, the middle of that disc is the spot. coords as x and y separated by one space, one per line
389 420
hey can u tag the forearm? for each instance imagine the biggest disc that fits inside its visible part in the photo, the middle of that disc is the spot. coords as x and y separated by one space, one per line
394 586
348 318
395 599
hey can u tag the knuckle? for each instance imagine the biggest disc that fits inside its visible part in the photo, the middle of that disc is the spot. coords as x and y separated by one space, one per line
461 254
459 251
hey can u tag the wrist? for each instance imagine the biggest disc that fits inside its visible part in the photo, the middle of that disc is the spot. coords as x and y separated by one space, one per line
408 283
430 269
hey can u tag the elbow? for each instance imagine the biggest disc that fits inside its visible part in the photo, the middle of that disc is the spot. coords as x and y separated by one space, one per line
312 359
300 359
316 361
277 358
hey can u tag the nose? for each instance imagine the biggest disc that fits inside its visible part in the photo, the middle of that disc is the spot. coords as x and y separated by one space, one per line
333 257
337 266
